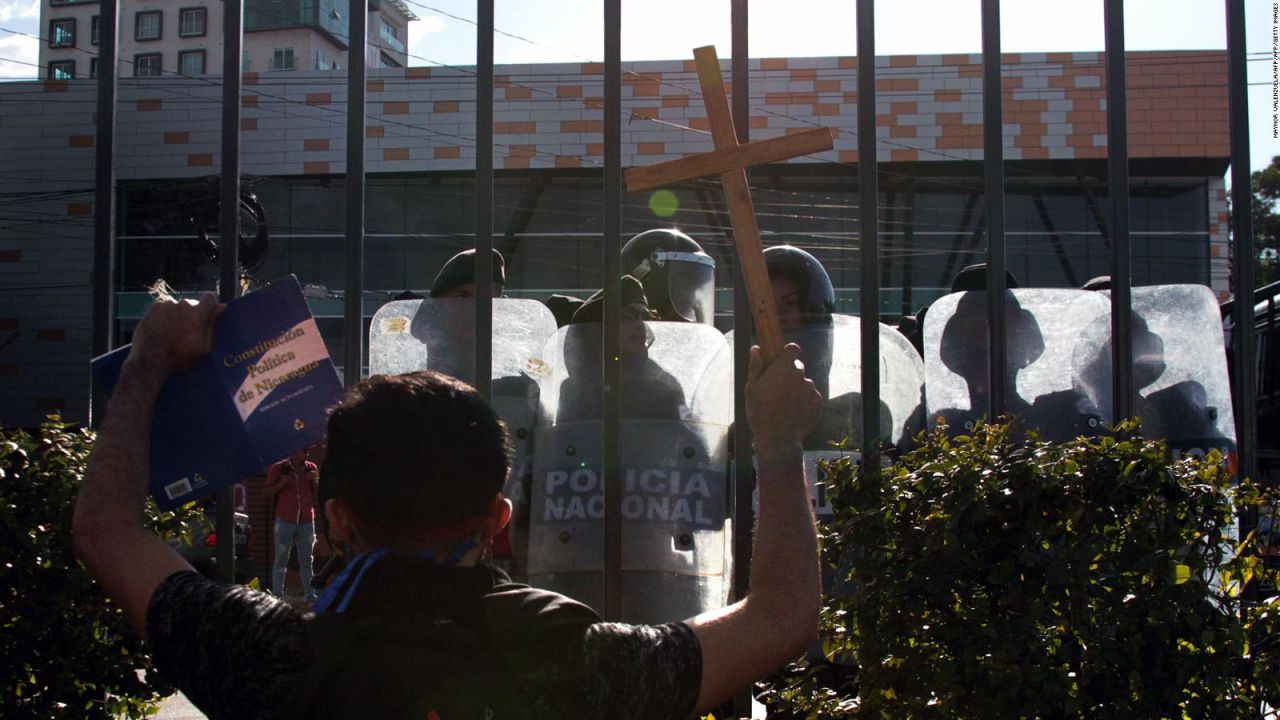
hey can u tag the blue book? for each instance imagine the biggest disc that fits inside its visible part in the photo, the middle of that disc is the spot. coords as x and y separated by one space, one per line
262 394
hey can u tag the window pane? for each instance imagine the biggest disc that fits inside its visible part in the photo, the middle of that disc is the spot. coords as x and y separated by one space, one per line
93 30
146 65
192 22
62 33
282 59
148 27
191 63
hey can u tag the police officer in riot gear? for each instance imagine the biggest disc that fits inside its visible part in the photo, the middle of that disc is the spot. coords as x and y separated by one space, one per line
679 279
805 300
674 412
649 393
802 290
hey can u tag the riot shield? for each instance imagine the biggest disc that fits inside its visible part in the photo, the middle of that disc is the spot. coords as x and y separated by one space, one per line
676 407
1047 331
831 350
1179 368
439 334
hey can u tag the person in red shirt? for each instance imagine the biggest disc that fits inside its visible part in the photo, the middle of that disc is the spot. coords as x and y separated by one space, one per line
292 482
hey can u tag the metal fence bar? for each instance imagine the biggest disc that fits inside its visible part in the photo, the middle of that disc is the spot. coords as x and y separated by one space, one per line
1118 194
104 197
743 468
1242 249
353 307
484 198
868 192
993 195
229 237
612 308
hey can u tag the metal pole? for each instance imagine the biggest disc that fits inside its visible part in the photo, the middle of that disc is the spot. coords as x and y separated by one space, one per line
484 198
104 198
1242 254
612 308
993 193
869 192
743 468
353 307
1118 192
228 236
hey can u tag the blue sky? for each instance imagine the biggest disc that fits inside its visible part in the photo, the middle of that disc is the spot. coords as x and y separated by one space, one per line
570 30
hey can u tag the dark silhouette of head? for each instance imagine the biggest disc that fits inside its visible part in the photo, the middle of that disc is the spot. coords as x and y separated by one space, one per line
966 338
458 276
974 277
412 453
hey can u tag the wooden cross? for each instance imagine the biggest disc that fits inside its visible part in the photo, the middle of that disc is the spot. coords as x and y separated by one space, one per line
730 160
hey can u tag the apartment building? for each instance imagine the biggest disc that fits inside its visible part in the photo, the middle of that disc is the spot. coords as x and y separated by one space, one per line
156 38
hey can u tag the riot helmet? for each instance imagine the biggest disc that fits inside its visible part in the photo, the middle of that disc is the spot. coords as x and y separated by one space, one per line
802 289
679 279
974 277
457 278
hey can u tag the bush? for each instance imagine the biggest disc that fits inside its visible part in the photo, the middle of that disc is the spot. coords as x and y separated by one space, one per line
1002 579
67 651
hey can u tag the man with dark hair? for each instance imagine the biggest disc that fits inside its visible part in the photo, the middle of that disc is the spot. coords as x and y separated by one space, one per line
419 625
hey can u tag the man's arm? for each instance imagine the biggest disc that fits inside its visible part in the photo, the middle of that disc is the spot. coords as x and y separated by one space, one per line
311 474
107 530
778 620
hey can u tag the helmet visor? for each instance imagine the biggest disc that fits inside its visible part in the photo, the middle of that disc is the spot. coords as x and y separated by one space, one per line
692 290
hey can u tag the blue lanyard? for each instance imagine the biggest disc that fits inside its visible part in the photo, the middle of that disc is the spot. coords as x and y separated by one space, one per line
344 586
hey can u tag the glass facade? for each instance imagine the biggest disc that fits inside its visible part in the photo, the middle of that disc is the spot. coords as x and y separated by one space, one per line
328 16
548 224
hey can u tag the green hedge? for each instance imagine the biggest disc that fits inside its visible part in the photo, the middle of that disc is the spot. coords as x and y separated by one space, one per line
67 651
1003 579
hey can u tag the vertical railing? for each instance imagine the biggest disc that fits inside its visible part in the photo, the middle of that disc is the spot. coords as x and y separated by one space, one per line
993 195
743 469
484 198
229 236
612 343
353 305
104 200
1242 249
993 176
869 236
1118 194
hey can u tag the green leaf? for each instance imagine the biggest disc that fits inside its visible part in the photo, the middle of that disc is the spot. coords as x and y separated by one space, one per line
1181 574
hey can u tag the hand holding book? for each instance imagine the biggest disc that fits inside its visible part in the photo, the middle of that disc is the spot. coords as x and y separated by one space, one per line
244 384
173 336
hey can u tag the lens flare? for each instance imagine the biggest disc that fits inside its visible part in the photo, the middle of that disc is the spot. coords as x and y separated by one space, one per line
664 203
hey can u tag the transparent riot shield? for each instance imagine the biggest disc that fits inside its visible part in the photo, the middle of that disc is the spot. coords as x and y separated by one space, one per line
676 407
439 334
1179 368
831 350
1047 332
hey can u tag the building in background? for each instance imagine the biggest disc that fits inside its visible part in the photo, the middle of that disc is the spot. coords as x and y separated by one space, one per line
158 38
548 204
